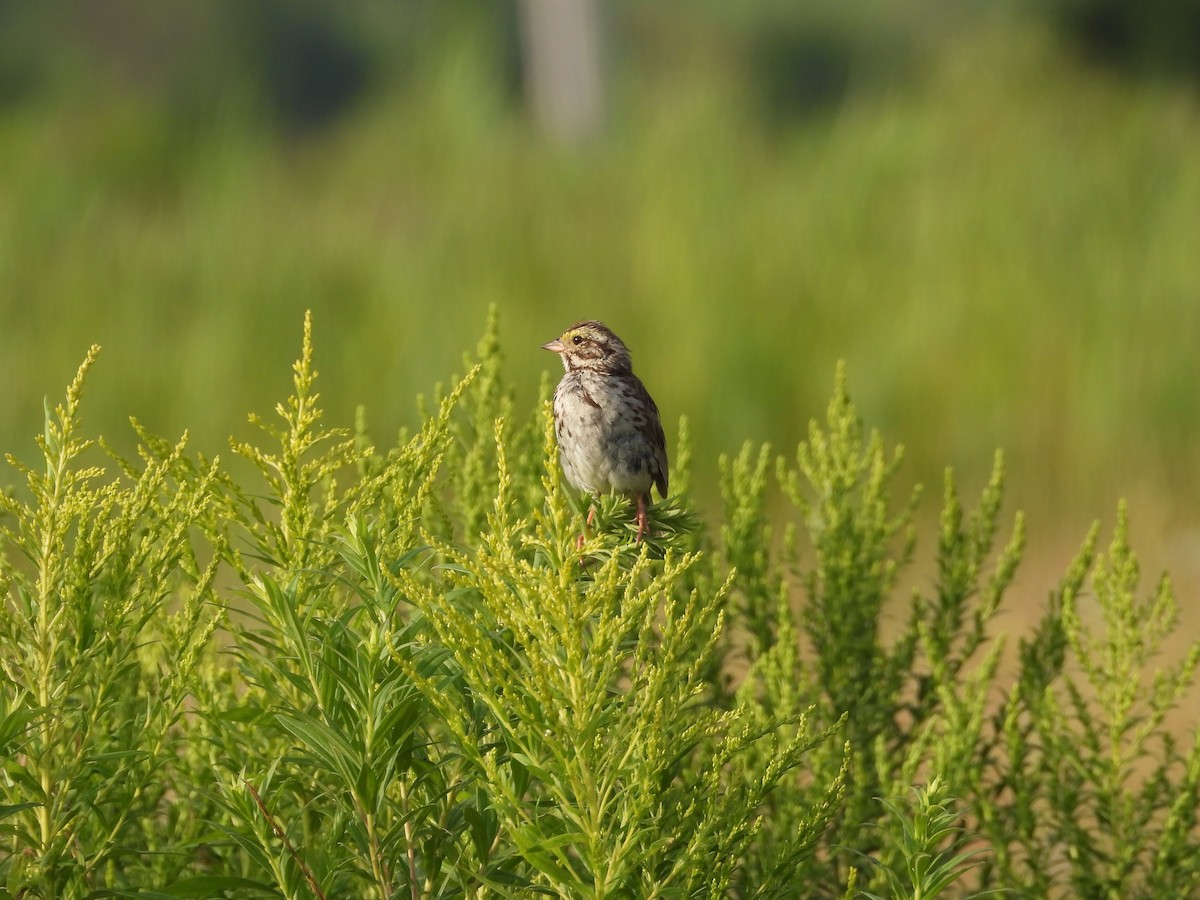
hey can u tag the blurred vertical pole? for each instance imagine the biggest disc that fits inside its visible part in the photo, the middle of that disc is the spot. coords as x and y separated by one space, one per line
564 81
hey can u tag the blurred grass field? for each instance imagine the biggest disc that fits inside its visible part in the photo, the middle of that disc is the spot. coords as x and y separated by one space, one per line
999 239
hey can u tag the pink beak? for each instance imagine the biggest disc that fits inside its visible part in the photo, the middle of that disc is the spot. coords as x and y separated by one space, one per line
555 346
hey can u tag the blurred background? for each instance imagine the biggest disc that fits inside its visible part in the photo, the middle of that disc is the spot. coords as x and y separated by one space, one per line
990 210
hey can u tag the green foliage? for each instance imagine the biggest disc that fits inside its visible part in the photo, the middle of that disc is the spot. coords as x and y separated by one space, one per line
927 838
1098 778
854 570
413 672
106 613
152 206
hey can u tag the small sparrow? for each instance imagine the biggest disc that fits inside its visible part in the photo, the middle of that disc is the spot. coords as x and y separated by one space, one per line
609 434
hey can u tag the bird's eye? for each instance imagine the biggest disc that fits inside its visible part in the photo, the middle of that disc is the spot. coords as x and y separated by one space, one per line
577 340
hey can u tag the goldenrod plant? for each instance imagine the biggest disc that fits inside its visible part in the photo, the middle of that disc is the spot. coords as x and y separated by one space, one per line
1096 795
927 840
410 669
108 609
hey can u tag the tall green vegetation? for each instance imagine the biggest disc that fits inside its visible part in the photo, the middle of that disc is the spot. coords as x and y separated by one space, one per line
997 239
397 672
107 619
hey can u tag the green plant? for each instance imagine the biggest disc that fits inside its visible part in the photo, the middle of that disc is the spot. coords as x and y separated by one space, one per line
1092 770
927 839
388 673
106 616
509 712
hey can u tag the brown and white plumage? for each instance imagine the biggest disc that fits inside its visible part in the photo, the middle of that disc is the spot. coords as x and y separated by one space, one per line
609 434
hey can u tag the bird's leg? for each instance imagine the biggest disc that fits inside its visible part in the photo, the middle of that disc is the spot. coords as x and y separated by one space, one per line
643 526
591 516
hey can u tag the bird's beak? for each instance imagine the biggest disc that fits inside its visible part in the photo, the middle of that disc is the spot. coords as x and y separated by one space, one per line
555 346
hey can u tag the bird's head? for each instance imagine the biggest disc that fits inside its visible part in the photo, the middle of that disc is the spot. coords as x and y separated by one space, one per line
591 346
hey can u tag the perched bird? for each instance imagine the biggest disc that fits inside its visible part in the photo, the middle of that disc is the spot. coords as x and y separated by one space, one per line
609 434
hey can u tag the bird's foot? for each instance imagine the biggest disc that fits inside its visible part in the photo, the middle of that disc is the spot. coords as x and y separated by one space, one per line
591 517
